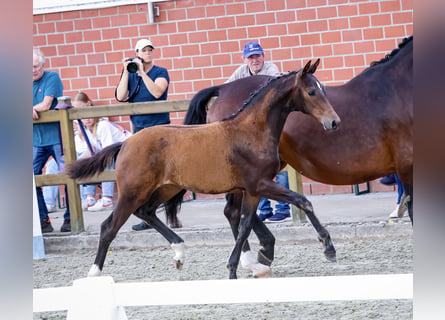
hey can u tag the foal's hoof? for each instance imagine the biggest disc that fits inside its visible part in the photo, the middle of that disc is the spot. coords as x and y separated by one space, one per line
329 251
332 257
178 264
94 271
260 270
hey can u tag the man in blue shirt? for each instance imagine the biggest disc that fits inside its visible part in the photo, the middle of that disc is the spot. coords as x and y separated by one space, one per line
146 82
47 86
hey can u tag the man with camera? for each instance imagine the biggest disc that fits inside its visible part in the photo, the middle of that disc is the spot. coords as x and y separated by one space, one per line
143 81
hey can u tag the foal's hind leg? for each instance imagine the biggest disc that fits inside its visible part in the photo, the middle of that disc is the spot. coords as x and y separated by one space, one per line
408 188
148 214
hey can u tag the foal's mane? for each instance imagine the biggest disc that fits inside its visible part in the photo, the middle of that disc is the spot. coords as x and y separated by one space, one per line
393 52
248 101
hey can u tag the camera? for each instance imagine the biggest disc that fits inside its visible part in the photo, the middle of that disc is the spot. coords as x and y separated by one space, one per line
132 67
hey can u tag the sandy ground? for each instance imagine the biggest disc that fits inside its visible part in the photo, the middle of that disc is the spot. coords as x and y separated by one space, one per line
292 259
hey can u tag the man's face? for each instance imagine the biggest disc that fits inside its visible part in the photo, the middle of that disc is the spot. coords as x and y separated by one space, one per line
37 68
255 62
146 53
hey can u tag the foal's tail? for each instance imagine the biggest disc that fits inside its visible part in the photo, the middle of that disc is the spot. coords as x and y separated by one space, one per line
197 111
88 167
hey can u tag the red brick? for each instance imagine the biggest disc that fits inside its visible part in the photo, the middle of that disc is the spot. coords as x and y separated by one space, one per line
215 11
64 50
171 52
343 74
138 18
224 22
72 37
372 57
39 41
359 22
125 32
318 25
347 10
93 35
101 22
46 27
276 29
274 42
90 13
209 48
286 41
192 74
326 12
182 63
108 11
95 58
386 6
316 3
306 14
230 46
338 24
352 35
187 26
295 4
148 30
322 51
246 20
385 45
275 5
256 32
342 48
98 82
55 39
103 46
301 52
67 73
38 18
198 37
402 17
407 4
221 59
368 7
113 33
201 61
285 16
87 71
84 24
237 33
68 15
409 29
212 72
105 93
217 35
64 26
310 39
201 84
381 20
195 12
332 63
255 7
190 50
84 47
297 28
281 54
354 60
122 44
373 33
179 38
393 31
176 14
206 24
113 57
175 75
324 75
364 47
331 37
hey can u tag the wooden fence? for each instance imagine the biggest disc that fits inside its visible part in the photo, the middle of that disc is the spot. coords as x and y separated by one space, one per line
66 116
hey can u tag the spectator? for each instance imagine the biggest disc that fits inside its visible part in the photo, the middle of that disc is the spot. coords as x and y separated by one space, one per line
148 82
100 133
401 207
254 64
47 86
50 192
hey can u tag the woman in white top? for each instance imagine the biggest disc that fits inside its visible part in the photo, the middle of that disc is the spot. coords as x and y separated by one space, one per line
100 133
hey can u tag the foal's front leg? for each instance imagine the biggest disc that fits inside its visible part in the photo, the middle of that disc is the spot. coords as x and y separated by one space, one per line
248 209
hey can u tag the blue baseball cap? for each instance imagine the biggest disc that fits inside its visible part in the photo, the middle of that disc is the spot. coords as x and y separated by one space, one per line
252 48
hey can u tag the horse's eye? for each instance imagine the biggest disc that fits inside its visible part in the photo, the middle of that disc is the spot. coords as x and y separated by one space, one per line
311 93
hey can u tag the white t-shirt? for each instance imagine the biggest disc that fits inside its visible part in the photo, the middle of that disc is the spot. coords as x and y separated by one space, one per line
107 133
269 69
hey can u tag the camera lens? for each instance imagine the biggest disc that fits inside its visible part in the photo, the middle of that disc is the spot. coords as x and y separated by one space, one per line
132 67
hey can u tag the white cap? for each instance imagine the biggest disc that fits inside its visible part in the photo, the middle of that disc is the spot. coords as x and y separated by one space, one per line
142 44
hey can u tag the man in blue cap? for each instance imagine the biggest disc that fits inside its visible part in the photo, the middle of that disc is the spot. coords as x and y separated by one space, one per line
254 64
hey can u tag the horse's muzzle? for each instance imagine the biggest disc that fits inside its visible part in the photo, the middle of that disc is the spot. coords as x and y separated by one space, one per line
330 125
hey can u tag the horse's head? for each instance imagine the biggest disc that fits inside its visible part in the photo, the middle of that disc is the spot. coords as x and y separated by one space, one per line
313 98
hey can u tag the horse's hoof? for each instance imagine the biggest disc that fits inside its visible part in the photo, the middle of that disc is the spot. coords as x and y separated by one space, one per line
260 270
94 271
178 264
330 256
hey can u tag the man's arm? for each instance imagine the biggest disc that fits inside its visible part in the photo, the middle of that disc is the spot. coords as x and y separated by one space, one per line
42 106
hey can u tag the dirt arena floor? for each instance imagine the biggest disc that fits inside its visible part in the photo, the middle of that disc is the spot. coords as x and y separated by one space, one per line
368 255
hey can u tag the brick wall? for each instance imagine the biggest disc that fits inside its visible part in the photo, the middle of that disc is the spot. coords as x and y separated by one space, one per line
200 43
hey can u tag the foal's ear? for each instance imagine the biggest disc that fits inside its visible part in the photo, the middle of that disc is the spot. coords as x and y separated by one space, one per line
306 68
314 66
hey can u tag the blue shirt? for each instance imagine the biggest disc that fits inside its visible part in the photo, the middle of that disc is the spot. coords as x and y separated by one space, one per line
143 95
46 134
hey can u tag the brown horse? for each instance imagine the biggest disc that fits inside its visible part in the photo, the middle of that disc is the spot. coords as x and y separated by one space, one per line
376 137
239 153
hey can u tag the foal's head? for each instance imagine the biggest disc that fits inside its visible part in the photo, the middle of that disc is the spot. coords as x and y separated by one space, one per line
308 96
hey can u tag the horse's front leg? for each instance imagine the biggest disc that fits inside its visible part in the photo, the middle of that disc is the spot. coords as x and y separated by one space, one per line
177 244
276 192
248 260
248 209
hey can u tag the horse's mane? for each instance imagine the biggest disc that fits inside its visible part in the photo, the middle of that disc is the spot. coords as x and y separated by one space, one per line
393 52
248 101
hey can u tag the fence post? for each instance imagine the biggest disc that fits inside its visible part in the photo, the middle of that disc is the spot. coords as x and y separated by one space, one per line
69 152
296 184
